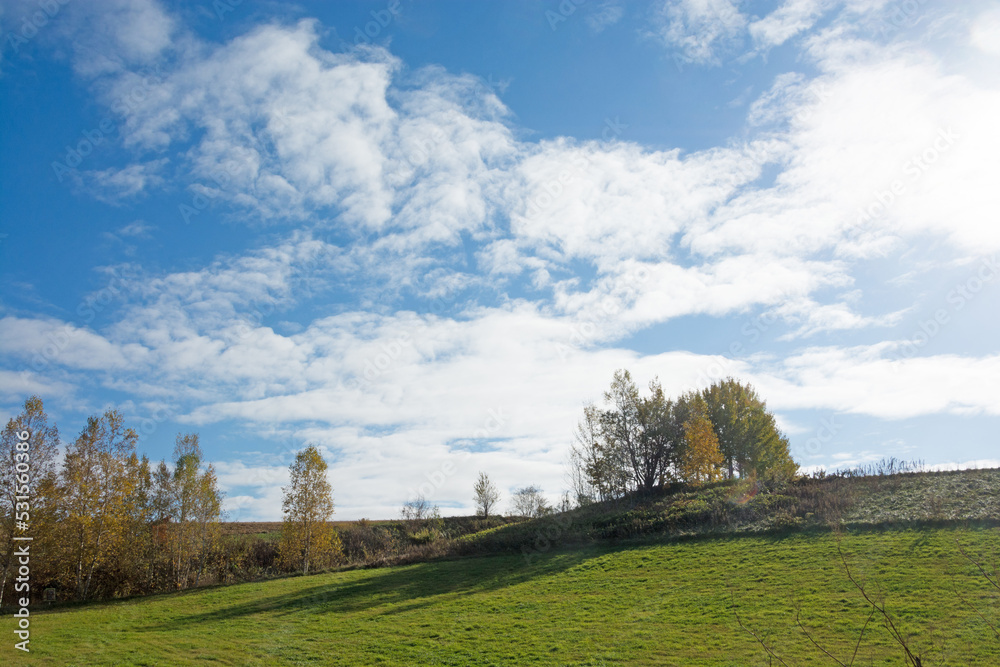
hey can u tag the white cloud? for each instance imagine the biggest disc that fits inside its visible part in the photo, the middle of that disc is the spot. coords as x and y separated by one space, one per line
47 343
702 30
791 18
114 185
421 171
15 386
605 15
985 32
881 381
139 229
109 36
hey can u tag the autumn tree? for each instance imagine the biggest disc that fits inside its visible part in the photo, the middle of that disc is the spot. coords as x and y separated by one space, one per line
99 492
700 458
27 475
486 495
641 441
185 507
191 499
748 435
307 539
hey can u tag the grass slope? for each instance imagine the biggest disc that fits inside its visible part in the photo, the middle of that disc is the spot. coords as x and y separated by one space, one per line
667 603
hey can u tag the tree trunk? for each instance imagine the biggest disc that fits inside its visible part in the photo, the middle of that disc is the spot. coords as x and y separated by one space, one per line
3 584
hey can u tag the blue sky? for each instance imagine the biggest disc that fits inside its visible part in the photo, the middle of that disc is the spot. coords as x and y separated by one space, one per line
425 250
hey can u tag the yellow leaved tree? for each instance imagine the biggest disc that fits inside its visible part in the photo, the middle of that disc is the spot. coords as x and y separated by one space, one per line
700 460
307 539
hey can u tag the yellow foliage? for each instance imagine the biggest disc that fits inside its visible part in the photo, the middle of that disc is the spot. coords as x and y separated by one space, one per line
313 548
701 459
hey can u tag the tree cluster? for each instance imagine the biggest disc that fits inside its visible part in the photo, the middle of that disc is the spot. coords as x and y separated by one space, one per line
105 524
638 443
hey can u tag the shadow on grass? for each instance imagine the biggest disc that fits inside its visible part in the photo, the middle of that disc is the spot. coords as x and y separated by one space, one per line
395 590
399 589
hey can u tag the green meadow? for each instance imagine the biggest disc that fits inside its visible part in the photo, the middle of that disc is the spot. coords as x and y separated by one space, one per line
668 602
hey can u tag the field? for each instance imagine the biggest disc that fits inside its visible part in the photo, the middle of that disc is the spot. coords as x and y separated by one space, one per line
668 602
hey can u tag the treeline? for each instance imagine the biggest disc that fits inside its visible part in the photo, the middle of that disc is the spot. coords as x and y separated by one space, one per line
105 523
638 443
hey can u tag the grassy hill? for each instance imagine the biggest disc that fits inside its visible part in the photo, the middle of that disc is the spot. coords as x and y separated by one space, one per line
739 508
653 581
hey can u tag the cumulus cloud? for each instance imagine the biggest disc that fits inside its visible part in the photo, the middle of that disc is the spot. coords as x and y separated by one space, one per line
546 255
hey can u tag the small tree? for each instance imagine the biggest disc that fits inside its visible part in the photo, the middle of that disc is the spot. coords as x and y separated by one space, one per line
419 509
529 502
487 495
308 504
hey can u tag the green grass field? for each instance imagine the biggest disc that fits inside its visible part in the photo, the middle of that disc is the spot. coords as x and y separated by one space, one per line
667 603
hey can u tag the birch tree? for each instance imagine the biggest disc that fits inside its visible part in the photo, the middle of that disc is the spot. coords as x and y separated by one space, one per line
98 484
307 538
486 495
33 455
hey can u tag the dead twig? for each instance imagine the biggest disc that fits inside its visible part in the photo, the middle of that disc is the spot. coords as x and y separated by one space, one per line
857 646
768 649
911 659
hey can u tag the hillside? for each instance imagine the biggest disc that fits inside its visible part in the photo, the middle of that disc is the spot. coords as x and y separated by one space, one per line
654 580
738 508
670 603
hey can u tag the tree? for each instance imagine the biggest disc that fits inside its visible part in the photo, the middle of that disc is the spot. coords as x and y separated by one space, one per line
486 495
631 445
99 489
27 468
748 435
191 500
621 426
660 441
640 442
418 509
308 504
701 460
598 470
530 503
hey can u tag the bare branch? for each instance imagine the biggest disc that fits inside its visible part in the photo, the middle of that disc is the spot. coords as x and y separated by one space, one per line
993 582
880 608
978 613
861 636
814 642
770 651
